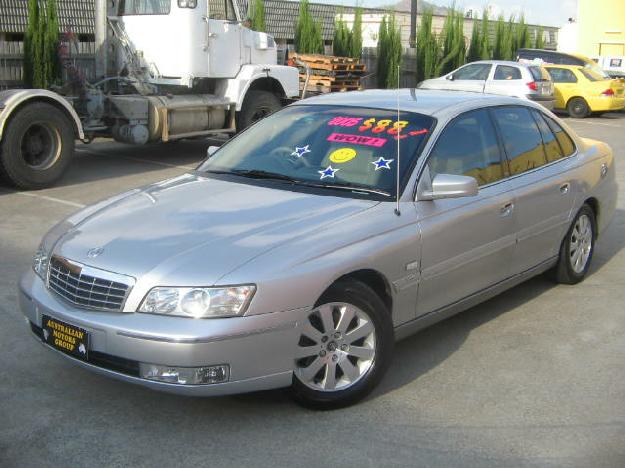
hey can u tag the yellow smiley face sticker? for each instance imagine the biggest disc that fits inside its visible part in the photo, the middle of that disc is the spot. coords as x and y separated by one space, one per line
342 155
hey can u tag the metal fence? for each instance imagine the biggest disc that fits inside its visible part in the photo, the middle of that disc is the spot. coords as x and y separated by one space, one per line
12 62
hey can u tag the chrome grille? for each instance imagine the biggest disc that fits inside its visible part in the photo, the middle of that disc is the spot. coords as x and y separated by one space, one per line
88 287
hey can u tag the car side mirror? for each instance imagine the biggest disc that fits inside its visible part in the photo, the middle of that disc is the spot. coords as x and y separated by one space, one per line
450 77
450 186
211 150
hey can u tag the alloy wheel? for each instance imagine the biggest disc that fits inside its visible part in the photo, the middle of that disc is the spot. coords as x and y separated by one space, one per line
337 347
580 243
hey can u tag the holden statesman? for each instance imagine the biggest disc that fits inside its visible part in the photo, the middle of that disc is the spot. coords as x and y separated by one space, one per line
297 253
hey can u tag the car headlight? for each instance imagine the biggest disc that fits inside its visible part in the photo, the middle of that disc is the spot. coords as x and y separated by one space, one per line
41 261
198 302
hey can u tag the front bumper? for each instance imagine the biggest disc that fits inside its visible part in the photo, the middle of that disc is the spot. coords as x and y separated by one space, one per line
259 349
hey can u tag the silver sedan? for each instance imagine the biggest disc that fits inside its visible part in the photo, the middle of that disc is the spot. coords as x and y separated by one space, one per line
301 250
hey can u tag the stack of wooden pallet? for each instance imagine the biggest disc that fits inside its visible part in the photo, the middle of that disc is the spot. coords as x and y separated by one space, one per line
329 73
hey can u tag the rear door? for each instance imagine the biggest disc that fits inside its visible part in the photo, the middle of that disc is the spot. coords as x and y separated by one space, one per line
542 184
467 243
565 85
506 80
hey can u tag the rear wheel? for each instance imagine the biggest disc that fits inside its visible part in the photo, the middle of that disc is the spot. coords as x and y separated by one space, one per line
578 108
256 105
37 146
577 248
344 349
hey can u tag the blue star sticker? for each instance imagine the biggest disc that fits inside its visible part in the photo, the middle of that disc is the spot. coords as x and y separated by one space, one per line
328 172
299 152
382 163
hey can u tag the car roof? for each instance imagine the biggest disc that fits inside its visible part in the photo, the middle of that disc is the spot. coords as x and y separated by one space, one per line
422 101
557 65
503 62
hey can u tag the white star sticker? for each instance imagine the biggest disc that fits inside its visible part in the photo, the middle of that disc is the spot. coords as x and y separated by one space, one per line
328 172
382 163
45 334
301 151
82 349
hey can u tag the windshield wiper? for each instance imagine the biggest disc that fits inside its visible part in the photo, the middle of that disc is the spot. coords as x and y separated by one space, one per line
348 186
260 174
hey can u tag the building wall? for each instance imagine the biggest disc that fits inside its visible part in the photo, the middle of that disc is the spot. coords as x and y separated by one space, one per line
599 28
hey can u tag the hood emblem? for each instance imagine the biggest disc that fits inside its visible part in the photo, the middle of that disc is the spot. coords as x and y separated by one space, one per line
93 253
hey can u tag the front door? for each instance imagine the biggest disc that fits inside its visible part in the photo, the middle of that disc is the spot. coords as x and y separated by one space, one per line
467 243
471 77
224 40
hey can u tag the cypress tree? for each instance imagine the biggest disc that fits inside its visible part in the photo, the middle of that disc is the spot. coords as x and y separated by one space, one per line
451 42
427 47
257 16
485 47
308 38
32 45
539 43
51 44
342 38
382 65
393 51
355 45
474 45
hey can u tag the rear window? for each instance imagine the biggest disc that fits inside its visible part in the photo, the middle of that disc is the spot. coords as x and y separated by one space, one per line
522 140
539 73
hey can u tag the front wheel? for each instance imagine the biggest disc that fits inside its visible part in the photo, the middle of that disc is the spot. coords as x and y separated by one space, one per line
37 146
256 105
344 349
577 248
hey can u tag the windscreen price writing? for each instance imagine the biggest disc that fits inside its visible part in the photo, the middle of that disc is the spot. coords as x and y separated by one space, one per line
387 126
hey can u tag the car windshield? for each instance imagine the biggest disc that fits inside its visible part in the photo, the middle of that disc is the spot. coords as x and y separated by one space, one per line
327 147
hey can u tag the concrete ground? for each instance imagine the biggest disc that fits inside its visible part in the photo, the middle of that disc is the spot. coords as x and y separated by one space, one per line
534 377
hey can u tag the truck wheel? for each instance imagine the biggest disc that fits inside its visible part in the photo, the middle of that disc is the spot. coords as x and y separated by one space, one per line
578 108
37 146
256 105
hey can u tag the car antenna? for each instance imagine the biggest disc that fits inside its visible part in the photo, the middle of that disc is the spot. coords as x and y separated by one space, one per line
398 136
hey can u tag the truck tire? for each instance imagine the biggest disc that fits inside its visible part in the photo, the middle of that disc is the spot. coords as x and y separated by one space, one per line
256 105
37 146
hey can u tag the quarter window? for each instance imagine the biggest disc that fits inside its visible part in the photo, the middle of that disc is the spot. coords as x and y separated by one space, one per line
522 140
468 146
506 72
477 71
552 147
568 147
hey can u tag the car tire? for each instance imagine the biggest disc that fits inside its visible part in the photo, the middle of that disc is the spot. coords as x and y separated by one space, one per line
256 105
37 146
578 108
577 248
332 369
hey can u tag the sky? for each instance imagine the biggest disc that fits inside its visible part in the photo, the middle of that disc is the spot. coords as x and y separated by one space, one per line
544 12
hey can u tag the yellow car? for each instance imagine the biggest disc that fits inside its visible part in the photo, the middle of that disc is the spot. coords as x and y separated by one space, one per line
581 90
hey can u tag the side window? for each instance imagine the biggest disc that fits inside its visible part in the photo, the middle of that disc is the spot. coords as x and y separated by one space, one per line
477 71
507 72
552 147
568 147
468 146
522 140
562 75
221 9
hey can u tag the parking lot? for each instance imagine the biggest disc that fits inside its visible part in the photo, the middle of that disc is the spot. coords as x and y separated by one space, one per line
534 377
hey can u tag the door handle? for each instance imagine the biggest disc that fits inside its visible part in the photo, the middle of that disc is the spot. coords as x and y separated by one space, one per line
506 210
564 188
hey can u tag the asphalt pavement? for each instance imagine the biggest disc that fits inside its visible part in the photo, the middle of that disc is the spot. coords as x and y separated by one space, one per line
533 377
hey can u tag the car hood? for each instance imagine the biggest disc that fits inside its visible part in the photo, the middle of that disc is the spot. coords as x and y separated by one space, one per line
193 230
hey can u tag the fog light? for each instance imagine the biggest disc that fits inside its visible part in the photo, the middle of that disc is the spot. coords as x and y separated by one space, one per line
186 375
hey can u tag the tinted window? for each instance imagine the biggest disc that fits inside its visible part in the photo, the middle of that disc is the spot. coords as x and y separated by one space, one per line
144 7
562 75
568 147
468 146
539 73
506 72
477 71
592 75
553 152
521 138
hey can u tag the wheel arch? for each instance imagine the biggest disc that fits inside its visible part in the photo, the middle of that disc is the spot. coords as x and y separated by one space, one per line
566 106
269 84
375 280
593 203
14 101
